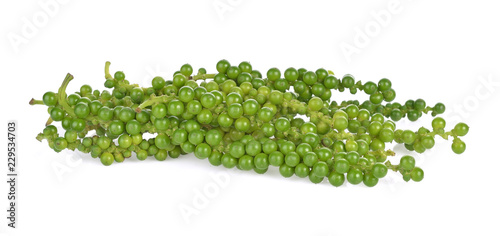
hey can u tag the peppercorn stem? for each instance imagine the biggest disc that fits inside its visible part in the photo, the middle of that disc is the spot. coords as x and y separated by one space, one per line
40 137
49 121
391 166
62 95
153 100
107 75
36 102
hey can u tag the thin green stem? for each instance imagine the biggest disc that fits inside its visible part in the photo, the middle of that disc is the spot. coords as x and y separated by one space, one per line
62 95
49 121
339 135
153 100
40 137
107 75
392 167
36 102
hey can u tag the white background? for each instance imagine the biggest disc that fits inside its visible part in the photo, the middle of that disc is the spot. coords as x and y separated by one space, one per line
439 51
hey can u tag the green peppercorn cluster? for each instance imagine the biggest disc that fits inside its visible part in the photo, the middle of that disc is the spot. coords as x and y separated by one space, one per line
240 118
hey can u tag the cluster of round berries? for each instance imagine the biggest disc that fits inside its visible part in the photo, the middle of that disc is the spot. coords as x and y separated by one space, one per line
240 118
